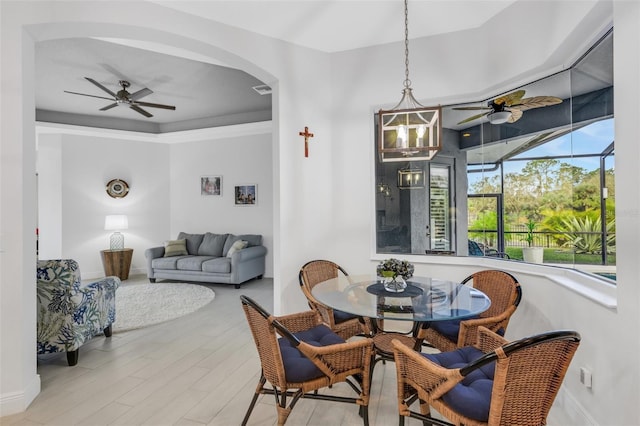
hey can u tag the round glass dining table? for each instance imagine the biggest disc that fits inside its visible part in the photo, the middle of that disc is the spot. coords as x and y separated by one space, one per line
424 300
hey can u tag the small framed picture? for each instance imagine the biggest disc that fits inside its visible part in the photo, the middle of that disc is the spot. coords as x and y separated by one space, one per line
211 185
246 195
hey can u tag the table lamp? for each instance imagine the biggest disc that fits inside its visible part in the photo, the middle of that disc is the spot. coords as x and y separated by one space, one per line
116 222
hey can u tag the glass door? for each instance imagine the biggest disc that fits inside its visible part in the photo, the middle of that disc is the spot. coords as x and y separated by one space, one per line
440 225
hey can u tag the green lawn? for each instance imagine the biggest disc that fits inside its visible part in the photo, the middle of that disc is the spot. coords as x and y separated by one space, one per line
554 255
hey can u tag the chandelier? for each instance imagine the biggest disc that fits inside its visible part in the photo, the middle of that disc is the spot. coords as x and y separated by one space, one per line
409 131
410 178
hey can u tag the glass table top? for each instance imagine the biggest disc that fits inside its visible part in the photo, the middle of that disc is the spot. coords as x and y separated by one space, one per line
424 299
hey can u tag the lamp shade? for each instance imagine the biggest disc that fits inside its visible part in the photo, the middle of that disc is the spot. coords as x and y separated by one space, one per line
116 222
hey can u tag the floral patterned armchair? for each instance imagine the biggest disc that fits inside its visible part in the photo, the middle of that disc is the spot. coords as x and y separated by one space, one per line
70 312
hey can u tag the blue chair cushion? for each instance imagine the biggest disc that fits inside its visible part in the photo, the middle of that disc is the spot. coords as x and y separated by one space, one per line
297 367
450 328
340 316
472 396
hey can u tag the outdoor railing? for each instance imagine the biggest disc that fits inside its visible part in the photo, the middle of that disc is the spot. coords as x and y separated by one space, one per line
547 240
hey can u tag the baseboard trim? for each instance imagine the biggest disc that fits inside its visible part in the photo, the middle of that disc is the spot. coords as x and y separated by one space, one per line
17 402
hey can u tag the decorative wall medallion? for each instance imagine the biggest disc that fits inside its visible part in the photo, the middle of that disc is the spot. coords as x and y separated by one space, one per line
117 188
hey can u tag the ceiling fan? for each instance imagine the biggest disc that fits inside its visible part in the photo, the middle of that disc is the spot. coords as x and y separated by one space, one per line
509 108
123 97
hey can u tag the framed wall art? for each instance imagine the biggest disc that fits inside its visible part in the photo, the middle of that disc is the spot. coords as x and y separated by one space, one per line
211 185
246 195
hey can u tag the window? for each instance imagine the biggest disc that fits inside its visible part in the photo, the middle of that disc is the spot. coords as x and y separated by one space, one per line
549 166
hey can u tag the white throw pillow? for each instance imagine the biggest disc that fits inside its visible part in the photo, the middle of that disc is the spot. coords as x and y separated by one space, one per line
238 245
175 248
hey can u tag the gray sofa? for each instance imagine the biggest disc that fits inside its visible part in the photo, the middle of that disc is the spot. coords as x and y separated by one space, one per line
207 259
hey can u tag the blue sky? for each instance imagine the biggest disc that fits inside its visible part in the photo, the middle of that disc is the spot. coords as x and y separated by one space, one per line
591 139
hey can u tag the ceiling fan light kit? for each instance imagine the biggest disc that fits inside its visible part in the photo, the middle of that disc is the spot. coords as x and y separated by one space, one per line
409 131
499 117
123 97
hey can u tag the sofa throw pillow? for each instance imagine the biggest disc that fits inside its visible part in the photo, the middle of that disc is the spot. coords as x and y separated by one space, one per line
252 239
237 246
212 244
193 241
175 248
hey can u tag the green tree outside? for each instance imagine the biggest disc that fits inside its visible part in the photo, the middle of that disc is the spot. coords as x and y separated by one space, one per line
562 199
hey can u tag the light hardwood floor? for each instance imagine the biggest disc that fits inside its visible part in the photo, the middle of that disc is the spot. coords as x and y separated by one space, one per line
201 369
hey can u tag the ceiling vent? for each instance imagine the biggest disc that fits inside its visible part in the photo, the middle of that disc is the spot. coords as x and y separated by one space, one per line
263 89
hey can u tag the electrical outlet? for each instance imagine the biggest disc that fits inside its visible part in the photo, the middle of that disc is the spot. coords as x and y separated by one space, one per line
585 377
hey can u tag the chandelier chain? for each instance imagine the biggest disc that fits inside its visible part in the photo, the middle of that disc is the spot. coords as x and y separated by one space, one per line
407 82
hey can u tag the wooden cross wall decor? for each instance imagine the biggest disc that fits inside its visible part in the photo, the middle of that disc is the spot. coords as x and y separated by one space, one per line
306 135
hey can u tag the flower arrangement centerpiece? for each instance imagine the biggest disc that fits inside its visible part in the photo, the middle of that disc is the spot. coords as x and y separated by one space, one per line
395 272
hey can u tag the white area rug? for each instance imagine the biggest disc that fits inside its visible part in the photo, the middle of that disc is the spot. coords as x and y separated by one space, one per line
141 305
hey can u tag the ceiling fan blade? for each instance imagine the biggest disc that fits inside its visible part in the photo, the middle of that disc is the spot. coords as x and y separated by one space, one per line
477 108
516 114
113 105
475 117
101 86
140 110
149 104
91 96
537 102
510 99
140 94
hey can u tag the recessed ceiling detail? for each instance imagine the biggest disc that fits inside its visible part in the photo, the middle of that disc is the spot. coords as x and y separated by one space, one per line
205 95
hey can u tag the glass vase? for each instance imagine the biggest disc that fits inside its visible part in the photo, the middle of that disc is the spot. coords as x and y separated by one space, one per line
395 284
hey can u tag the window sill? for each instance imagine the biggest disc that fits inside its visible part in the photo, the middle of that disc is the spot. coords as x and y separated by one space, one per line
598 290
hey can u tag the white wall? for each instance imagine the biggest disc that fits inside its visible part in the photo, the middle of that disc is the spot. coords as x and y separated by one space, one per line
164 196
323 204
239 160
77 191
49 169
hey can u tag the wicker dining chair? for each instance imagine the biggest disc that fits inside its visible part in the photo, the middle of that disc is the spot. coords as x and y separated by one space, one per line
300 355
489 384
344 324
505 293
